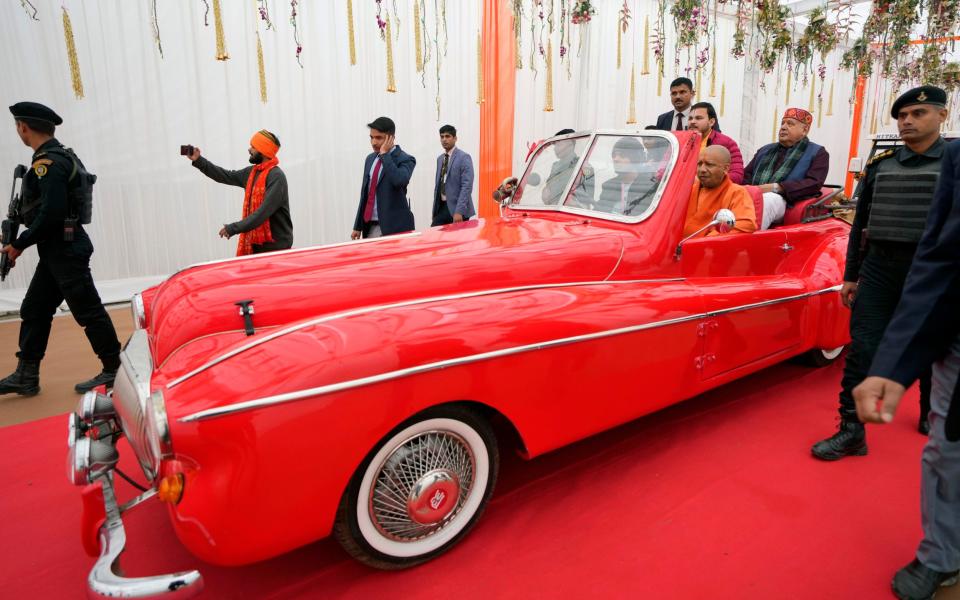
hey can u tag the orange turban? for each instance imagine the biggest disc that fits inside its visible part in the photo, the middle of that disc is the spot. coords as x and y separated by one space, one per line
798 114
265 143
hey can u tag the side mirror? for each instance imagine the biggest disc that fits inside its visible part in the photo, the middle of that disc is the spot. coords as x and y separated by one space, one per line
723 221
503 194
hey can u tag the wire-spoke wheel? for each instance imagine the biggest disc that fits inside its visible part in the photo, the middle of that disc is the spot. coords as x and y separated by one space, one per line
420 490
821 357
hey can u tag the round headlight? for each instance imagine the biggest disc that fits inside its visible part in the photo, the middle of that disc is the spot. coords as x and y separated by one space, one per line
78 461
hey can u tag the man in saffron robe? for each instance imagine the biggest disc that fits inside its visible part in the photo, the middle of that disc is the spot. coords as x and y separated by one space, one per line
265 225
713 190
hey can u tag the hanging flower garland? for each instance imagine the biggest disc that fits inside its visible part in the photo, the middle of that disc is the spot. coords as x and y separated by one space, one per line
774 34
582 12
623 22
30 9
818 38
517 24
659 43
264 13
296 30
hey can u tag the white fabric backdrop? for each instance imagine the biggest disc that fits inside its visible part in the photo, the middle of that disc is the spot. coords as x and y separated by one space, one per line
154 213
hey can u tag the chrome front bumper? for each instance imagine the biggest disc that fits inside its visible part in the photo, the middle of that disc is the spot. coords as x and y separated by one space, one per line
92 458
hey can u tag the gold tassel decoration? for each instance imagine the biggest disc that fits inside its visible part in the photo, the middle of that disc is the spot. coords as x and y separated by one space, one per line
646 47
873 118
723 96
418 36
713 74
632 109
72 55
789 85
619 43
813 94
261 70
350 34
391 80
820 112
659 82
886 113
775 123
218 27
699 78
480 98
830 102
548 102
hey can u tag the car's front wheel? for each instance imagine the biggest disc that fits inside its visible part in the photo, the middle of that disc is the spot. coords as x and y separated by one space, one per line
420 490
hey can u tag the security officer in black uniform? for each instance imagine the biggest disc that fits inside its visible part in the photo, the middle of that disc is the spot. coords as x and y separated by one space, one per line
52 190
893 200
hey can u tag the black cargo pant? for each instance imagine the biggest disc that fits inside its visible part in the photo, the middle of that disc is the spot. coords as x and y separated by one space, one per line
63 273
882 275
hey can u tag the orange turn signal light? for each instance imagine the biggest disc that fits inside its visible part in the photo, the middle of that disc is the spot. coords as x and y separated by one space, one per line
170 488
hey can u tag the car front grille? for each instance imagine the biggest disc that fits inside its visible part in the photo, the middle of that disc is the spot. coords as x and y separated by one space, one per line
131 392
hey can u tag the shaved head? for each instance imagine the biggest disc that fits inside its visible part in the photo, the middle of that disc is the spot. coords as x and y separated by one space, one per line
713 166
717 153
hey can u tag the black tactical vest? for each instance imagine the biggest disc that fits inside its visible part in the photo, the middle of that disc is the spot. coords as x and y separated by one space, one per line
901 200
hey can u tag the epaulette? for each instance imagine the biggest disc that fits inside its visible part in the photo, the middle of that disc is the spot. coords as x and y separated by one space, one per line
881 156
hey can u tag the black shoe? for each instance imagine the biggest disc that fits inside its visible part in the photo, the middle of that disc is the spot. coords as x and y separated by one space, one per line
849 440
24 381
105 377
924 426
917 582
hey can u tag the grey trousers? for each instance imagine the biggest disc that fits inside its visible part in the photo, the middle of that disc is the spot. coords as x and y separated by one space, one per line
940 475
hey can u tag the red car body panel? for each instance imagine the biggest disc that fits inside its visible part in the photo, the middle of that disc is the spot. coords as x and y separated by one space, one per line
565 325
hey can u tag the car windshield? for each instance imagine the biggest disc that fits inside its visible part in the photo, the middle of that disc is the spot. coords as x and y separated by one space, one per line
621 174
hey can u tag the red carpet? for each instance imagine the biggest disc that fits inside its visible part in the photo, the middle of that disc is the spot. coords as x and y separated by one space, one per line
714 498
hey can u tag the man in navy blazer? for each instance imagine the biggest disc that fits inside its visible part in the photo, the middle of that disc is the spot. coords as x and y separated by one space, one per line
681 96
384 208
926 328
453 184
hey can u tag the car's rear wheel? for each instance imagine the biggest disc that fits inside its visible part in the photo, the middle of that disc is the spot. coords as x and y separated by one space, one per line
821 357
420 490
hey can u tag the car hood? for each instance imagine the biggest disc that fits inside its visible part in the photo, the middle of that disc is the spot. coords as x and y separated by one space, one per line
200 301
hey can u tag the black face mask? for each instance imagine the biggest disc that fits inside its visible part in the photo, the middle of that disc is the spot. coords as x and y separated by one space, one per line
256 158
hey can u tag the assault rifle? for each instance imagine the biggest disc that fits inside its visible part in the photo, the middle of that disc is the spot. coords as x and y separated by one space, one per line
11 225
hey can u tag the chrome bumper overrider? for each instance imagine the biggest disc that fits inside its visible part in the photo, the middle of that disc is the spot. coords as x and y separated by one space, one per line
94 430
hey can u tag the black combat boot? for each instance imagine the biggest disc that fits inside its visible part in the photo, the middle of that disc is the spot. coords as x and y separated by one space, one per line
24 381
849 440
111 364
917 582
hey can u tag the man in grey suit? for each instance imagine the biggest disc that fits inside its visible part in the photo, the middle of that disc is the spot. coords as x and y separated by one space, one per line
453 185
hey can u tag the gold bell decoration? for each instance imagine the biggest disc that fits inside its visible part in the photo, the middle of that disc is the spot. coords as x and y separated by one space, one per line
632 109
350 33
548 103
391 80
262 72
72 55
218 27
830 101
417 36
646 47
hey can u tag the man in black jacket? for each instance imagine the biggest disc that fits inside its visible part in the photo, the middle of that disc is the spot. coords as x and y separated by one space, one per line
384 208
924 329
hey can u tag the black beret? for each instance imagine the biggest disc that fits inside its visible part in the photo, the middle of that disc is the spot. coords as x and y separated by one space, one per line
34 110
925 94
383 125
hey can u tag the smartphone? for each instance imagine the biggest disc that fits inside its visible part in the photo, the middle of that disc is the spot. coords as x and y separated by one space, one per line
186 150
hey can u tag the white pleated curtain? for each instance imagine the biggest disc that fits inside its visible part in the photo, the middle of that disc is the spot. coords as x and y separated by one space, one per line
153 212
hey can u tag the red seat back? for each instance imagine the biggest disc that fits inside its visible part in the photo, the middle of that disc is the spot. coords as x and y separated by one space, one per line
798 211
757 196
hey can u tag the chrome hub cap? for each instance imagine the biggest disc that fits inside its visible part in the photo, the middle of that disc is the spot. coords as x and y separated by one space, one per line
421 486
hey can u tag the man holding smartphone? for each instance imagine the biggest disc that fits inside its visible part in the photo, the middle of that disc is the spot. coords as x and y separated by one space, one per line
384 208
266 225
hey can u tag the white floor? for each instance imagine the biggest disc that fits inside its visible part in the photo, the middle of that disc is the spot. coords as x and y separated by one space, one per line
114 291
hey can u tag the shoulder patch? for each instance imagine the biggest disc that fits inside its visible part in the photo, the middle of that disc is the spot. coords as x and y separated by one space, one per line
881 156
40 166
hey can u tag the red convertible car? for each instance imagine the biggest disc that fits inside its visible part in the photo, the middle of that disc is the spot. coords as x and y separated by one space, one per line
355 389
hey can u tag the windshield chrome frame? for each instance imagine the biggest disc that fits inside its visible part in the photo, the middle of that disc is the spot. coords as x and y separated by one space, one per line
591 136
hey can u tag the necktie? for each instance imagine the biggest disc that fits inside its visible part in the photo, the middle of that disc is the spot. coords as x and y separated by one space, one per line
679 121
372 193
443 175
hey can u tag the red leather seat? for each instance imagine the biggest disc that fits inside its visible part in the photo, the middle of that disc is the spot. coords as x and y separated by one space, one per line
757 196
804 208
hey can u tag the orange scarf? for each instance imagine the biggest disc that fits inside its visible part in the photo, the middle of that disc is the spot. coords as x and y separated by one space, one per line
252 200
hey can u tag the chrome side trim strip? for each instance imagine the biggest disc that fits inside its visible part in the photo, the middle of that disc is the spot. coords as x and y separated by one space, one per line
363 381
295 250
405 303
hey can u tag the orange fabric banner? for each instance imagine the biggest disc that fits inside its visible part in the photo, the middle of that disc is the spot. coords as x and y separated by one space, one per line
496 110
855 132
